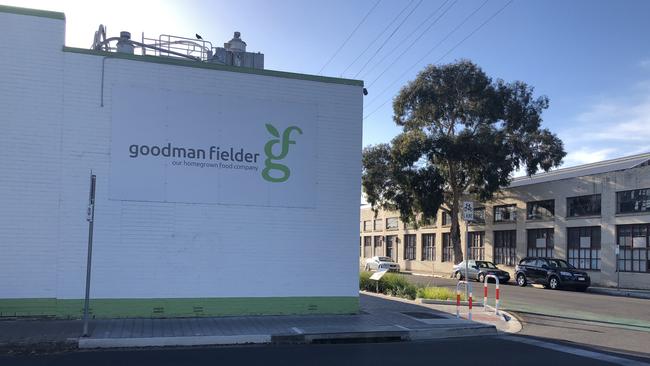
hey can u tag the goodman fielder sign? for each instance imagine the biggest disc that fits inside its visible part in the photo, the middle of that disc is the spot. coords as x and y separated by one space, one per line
170 146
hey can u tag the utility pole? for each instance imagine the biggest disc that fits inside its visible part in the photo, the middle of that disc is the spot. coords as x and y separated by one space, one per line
90 217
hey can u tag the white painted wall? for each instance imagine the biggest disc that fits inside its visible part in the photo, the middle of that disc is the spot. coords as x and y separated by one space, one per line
54 131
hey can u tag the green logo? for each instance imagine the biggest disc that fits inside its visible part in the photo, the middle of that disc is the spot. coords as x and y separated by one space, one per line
271 160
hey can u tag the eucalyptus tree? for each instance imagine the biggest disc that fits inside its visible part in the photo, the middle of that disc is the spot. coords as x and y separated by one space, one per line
463 133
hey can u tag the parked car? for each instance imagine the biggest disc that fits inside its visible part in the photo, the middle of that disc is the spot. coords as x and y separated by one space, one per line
376 263
551 273
477 270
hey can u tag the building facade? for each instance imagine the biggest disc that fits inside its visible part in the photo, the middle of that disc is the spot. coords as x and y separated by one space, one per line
215 193
596 216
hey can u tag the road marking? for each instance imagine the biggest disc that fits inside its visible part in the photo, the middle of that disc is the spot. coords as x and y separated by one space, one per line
297 330
401 327
574 351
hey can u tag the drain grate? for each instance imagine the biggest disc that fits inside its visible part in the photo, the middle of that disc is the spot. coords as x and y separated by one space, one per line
423 315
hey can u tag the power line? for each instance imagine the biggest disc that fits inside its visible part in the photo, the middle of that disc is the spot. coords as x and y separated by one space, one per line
378 36
388 39
418 37
350 36
429 52
444 55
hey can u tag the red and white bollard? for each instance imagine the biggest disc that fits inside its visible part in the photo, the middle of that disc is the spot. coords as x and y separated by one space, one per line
469 314
469 288
485 294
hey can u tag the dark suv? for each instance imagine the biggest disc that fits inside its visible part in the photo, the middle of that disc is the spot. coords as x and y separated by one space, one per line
551 273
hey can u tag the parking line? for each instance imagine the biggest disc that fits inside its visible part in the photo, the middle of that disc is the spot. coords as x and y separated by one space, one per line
574 351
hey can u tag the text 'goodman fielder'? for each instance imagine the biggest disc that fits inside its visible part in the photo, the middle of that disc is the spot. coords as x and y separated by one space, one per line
270 164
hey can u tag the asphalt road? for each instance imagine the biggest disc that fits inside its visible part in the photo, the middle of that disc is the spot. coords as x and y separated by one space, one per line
450 351
613 324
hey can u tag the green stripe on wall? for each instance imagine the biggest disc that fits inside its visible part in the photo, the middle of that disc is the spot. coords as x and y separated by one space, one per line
180 307
32 12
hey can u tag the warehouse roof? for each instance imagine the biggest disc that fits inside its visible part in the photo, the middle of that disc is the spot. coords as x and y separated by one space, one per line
606 166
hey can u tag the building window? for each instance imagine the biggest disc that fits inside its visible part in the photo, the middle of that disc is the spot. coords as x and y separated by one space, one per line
505 213
540 210
505 246
367 246
379 242
479 215
446 218
429 223
409 247
540 243
633 242
476 245
392 223
428 247
447 248
637 200
583 206
377 226
367 225
584 247
391 245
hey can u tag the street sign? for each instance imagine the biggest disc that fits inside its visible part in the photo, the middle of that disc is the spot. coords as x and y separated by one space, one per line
468 211
379 274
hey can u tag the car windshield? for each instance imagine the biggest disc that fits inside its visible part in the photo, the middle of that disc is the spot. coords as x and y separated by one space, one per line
486 265
559 263
384 259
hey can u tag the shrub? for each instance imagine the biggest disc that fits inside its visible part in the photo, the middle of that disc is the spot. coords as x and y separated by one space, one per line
438 293
390 284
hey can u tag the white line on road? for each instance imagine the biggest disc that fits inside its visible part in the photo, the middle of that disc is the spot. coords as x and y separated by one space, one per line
297 330
575 351
401 327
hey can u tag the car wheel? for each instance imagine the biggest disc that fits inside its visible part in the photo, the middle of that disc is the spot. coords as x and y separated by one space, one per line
521 280
481 278
458 276
367 268
553 283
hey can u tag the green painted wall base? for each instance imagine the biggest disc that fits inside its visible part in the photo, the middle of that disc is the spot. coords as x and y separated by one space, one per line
179 307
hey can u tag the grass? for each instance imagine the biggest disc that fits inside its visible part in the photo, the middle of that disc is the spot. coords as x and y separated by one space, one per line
394 284
438 293
391 284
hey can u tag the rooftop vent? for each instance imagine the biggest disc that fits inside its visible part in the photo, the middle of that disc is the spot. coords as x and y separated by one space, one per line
196 49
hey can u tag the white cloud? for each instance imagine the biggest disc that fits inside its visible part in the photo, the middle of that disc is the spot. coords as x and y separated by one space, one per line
645 63
611 127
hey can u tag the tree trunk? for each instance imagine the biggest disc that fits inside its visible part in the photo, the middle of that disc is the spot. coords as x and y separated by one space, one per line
455 228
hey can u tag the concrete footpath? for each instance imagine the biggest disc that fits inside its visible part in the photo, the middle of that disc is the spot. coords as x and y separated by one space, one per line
381 319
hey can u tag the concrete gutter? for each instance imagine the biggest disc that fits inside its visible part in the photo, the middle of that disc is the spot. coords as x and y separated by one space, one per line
638 294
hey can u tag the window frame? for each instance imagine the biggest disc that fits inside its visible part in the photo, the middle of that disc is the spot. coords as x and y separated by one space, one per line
577 254
428 252
646 201
534 251
477 245
628 253
447 248
396 224
505 254
410 250
374 224
479 222
446 218
534 217
513 213
569 206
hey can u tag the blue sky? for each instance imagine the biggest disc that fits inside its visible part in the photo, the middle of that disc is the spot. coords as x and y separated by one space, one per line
591 58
